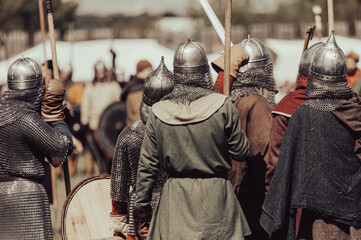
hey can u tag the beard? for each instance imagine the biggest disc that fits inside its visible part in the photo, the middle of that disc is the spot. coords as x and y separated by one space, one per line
351 72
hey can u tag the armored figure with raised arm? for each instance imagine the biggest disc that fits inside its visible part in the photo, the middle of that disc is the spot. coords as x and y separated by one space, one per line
25 141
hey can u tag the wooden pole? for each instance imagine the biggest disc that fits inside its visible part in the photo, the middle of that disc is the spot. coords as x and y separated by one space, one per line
227 47
42 27
331 21
309 35
49 9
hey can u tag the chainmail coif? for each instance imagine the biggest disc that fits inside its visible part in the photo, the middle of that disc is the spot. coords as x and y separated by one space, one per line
17 103
189 87
327 95
251 81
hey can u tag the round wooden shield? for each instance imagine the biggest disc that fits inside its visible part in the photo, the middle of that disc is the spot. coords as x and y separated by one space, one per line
111 123
86 211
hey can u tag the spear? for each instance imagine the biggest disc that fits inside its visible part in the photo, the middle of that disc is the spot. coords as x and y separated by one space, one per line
309 35
42 27
47 78
331 21
227 47
49 9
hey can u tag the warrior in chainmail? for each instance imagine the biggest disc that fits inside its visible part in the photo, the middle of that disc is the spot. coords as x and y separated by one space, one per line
282 113
251 72
126 156
190 85
31 128
255 76
318 166
191 133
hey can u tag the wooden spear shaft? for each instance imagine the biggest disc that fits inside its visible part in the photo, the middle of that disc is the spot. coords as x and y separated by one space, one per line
42 27
331 20
227 47
49 9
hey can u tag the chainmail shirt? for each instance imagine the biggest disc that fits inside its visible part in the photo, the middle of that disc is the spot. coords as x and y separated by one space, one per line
251 81
125 166
327 95
25 139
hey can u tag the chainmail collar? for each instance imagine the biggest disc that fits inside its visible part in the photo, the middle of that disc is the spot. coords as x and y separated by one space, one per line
248 91
243 92
260 77
17 103
253 81
183 93
138 127
327 95
189 87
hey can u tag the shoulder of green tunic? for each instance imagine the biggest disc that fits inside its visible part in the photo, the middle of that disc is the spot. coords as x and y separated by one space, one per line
199 110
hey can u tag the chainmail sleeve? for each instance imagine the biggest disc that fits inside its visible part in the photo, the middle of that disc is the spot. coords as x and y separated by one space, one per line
120 172
125 162
49 142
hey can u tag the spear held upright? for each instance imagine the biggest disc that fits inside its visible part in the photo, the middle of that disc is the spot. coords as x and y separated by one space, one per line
309 35
49 9
42 27
227 47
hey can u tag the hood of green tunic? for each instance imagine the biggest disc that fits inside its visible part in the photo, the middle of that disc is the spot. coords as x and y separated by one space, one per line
191 112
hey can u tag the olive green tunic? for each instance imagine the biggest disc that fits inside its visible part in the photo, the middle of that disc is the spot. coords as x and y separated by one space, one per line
193 143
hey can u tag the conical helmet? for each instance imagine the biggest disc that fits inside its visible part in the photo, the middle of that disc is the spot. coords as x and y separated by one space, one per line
158 83
190 57
257 52
24 73
329 63
305 63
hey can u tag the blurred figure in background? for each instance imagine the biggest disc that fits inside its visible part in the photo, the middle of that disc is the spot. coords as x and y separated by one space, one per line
117 70
353 72
132 93
3 89
97 96
74 93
